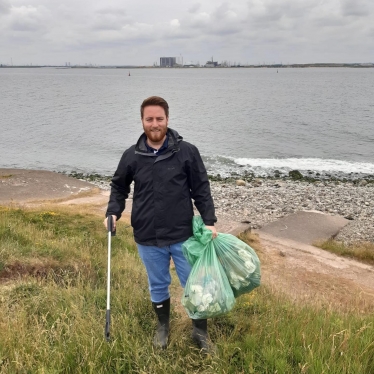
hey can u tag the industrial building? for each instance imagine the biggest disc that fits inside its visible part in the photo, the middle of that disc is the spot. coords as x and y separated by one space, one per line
167 62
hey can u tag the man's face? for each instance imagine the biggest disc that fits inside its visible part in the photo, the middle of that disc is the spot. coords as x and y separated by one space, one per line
155 123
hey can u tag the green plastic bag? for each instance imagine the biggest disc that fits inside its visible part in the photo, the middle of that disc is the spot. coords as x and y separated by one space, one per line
193 246
207 292
239 261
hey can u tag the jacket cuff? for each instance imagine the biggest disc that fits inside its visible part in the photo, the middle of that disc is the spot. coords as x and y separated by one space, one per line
209 223
118 215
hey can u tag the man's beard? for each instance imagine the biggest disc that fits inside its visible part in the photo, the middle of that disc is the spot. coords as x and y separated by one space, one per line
156 136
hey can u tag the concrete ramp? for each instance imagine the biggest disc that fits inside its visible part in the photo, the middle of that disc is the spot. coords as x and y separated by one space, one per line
305 227
19 185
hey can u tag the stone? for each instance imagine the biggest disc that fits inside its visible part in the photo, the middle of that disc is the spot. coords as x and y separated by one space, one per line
295 175
240 182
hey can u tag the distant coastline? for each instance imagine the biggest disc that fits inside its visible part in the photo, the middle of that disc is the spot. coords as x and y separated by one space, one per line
276 66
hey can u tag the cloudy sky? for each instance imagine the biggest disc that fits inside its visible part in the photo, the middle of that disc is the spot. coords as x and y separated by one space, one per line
139 32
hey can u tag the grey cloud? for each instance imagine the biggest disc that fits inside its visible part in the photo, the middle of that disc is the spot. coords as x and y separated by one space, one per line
4 7
221 12
110 21
114 11
273 11
27 18
329 21
293 21
245 30
194 8
356 7
223 20
24 26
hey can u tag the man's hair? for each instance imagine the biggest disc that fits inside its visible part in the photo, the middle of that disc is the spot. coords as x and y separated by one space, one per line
155 100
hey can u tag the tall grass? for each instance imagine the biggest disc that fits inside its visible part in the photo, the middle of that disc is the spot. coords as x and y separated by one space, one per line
53 301
363 251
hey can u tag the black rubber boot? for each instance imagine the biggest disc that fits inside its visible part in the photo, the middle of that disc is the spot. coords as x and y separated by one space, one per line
162 311
200 335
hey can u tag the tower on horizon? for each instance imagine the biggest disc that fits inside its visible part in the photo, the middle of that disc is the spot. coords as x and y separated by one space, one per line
167 62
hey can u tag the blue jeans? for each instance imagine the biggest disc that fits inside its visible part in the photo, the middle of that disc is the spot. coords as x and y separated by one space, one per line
157 263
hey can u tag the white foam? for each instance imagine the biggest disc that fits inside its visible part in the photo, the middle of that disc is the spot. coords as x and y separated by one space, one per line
314 164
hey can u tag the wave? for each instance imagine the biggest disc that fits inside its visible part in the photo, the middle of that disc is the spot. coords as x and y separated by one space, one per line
312 164
270 166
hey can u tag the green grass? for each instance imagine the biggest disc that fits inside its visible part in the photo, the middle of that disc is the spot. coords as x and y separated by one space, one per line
363 251
53 302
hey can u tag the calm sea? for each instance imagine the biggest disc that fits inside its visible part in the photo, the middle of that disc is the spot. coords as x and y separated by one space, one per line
258 120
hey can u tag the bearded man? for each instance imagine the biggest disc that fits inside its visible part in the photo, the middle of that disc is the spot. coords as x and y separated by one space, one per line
167 173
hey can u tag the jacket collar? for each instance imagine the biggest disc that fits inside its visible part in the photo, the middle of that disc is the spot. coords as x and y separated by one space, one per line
173 143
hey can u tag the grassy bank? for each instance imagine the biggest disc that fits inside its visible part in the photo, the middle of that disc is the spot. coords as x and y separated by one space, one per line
53 301
361 251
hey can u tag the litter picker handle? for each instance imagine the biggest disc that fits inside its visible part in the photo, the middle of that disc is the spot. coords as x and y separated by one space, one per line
110 234
107 326
110 225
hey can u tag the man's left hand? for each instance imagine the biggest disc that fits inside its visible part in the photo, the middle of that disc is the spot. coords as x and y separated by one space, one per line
213 230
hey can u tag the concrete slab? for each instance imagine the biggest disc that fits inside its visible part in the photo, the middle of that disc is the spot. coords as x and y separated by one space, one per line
19 185
305 227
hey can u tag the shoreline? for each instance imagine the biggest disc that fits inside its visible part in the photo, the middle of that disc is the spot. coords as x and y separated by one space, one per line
254 202
293 175
258 201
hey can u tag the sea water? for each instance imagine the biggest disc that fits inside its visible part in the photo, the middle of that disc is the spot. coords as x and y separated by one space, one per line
243 120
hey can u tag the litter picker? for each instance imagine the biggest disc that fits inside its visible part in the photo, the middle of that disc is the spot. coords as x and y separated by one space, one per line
110 234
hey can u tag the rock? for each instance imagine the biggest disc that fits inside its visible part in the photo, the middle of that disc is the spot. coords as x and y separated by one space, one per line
257 182
295 175
240 182
362 183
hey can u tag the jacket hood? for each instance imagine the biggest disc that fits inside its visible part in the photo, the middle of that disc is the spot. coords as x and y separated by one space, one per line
173 142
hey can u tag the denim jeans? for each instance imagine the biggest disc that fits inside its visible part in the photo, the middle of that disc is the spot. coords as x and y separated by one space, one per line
157 263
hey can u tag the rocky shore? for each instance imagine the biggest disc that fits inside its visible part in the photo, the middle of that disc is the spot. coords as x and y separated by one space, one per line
262 200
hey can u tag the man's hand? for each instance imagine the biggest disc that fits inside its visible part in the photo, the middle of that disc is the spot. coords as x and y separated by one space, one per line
213 230
114 223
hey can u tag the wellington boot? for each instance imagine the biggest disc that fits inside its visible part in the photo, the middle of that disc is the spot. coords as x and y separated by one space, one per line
162 311
160 339
200 336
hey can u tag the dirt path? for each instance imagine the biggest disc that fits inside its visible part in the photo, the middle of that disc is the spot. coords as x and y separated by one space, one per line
310 274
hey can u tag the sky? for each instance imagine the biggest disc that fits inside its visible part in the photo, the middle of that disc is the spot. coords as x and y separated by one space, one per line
139 32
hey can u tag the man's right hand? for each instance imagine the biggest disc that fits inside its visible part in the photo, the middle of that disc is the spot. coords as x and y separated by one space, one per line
114 223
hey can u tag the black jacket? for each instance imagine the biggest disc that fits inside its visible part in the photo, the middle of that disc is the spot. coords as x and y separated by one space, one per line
164 185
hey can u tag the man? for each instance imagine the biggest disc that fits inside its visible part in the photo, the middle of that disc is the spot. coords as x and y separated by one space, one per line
167 172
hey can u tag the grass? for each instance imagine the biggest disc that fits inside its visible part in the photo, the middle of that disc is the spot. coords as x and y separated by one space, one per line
53 302
363 251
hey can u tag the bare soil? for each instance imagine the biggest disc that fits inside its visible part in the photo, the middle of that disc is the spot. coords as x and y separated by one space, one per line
311 275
